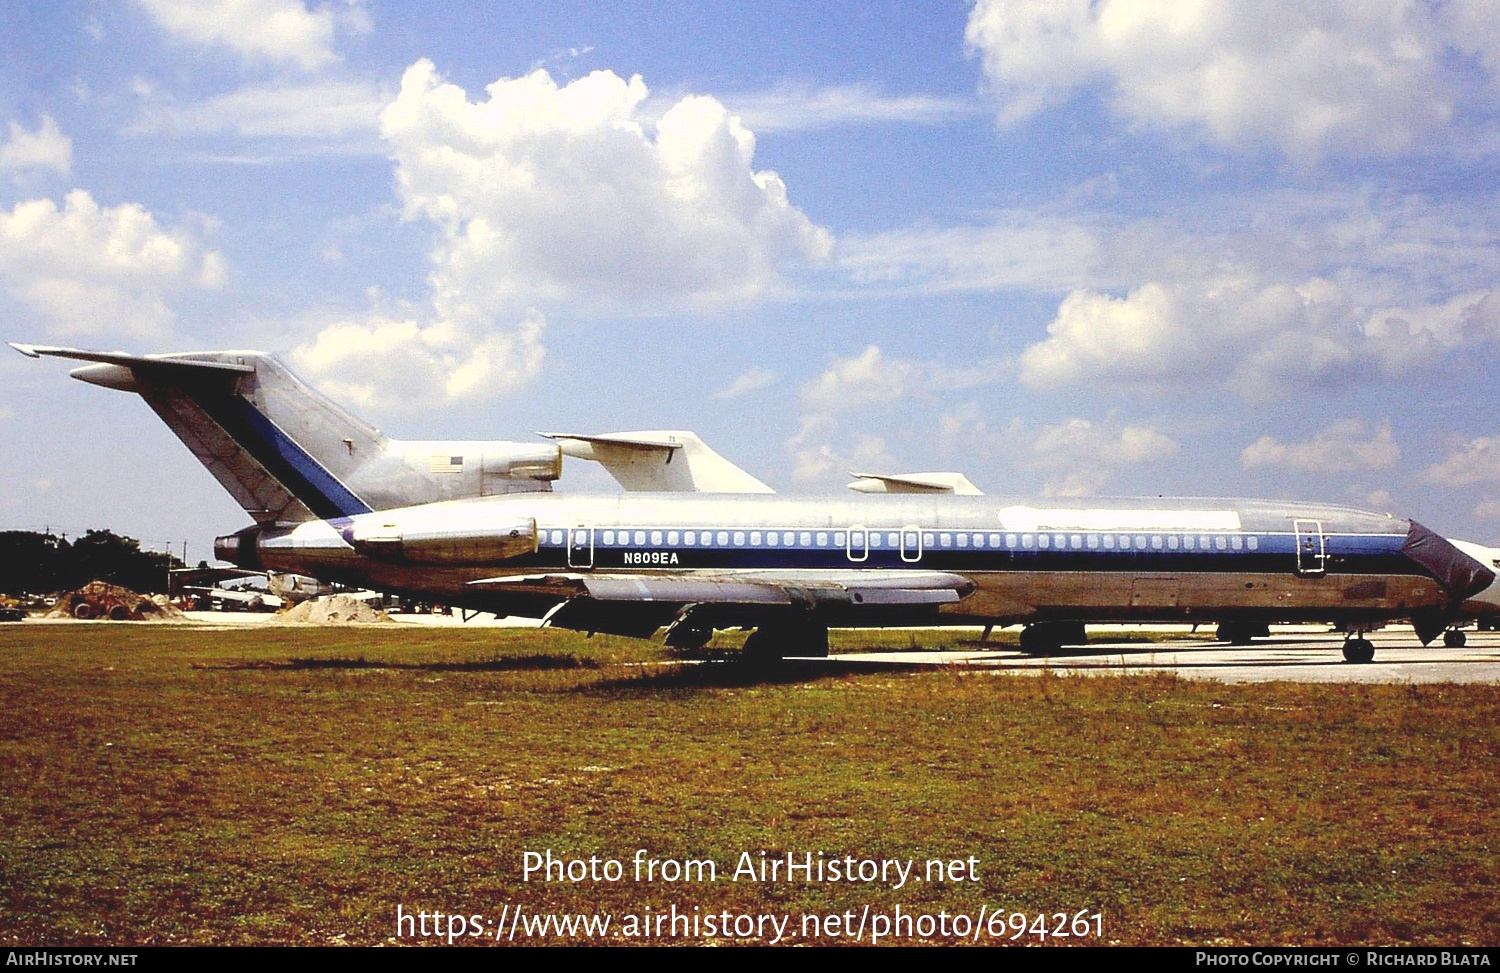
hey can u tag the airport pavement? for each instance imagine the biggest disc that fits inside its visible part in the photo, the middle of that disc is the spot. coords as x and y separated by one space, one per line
1300 654
1295 653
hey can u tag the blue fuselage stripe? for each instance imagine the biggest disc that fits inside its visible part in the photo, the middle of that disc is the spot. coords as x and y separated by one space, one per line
1241 552
302 476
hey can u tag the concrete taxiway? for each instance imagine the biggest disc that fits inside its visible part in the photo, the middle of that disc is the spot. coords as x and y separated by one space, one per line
1302 654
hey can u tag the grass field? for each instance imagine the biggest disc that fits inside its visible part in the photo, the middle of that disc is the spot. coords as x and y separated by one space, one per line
167 785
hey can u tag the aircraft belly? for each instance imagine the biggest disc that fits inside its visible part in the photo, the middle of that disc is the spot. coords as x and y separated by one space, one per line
1021 596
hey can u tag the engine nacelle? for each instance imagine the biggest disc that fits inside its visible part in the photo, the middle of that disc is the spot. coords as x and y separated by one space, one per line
392 542
408 473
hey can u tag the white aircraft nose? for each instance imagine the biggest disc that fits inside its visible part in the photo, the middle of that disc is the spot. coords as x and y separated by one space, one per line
1487 600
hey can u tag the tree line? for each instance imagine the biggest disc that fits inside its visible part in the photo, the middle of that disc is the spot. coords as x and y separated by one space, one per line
40 563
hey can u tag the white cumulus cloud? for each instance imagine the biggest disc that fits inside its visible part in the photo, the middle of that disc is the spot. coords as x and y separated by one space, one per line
1083 457
47 148
383 363
1476 461
91 269
1254 337
865 379
565 193
1307 78
1342 447
276 31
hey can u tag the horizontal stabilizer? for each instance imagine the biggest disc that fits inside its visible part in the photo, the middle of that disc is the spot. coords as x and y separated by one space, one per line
162 363
938 482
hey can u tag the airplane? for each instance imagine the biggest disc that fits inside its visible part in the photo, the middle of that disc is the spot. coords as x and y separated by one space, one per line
1482 608
477 526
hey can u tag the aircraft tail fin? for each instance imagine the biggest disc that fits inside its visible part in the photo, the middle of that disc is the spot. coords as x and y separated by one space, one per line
282 450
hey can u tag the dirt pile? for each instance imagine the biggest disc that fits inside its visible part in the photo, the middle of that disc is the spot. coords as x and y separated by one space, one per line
100 600
338 610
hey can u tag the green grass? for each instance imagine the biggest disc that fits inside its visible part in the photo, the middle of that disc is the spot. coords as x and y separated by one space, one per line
165 785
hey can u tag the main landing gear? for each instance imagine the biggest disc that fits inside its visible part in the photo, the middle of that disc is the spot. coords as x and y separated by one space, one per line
1358 649
787 638
1240 633
1046 638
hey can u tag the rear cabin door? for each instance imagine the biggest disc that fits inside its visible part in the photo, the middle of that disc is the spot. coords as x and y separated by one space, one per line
1312 548
581 547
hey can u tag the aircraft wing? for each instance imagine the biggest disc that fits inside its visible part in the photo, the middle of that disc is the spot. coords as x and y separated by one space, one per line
639 604
662 461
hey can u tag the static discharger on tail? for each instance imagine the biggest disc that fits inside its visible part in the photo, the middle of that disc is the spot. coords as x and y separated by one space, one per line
695 544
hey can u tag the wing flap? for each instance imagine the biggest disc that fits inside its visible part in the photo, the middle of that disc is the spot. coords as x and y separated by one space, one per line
807 590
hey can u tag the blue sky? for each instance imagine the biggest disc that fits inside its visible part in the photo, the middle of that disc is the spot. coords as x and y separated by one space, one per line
1224 247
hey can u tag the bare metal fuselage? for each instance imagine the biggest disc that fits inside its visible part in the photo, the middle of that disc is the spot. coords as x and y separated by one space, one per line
1158 559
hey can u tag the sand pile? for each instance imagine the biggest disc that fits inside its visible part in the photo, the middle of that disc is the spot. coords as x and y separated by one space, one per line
338 610
101 600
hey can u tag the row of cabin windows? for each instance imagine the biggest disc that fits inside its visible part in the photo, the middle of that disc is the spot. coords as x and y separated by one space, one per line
930 540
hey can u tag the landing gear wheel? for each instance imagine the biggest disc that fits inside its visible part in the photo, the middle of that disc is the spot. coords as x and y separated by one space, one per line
1241 633
1454 638
788 639
1359 650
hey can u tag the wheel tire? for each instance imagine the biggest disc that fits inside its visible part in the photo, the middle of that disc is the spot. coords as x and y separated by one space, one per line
1455 639
1359 651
